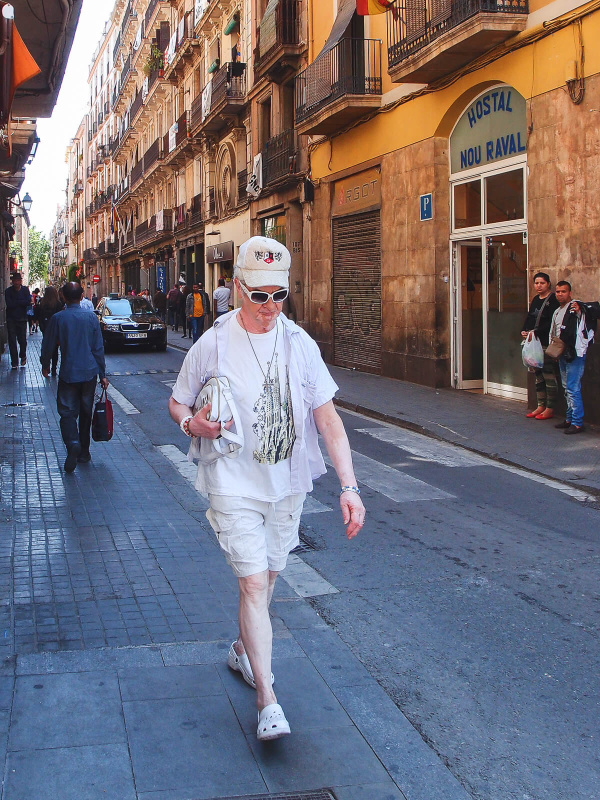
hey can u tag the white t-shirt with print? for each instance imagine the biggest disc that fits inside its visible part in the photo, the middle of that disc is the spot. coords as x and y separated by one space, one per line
248 475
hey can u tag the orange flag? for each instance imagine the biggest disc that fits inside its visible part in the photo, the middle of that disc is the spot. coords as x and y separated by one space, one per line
366 7
24 66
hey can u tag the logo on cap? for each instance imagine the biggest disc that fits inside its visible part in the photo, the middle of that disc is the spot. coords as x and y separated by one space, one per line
267 257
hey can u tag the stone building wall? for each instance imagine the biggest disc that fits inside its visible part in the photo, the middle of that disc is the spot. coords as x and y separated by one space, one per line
415 265
564 204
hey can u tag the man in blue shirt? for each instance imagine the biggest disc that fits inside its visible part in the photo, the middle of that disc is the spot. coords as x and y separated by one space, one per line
82 362
18 300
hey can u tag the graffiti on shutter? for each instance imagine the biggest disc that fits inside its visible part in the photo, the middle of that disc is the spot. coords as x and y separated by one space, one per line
357 291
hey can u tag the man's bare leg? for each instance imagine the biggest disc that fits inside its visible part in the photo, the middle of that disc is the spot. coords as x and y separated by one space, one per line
256 632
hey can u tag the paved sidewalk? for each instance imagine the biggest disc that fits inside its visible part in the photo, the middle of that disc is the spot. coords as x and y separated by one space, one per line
490 425
118 611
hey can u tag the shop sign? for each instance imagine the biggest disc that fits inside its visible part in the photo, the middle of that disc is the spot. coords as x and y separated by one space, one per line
491 129
219 252
358 193
161 277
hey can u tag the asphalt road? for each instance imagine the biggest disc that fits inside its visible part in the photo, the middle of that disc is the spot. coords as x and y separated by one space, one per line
471 596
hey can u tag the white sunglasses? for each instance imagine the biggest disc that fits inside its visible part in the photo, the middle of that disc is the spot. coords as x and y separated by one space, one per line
260 298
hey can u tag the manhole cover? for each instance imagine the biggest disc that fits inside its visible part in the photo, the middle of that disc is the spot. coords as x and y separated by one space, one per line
319 794
307 544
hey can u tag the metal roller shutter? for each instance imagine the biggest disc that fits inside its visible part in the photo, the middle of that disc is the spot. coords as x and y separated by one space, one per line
357 291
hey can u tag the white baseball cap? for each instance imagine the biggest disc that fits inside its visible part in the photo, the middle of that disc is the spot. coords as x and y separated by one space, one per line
263 262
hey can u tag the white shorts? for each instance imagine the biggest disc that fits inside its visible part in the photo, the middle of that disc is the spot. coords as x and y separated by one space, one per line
255 535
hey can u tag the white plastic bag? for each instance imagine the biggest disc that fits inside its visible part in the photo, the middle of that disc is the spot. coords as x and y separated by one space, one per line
533 352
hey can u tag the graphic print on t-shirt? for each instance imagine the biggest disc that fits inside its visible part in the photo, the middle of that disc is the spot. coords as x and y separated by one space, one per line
275 423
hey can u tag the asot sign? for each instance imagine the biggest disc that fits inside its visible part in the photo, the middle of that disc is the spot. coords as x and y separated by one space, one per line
491 129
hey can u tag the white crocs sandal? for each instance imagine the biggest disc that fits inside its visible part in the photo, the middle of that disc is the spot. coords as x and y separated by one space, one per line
242 664
272 723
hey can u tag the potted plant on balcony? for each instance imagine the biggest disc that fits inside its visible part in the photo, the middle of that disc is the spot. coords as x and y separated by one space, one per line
155 62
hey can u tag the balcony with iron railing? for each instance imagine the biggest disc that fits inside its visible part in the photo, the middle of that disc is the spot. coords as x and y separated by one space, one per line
122 190
136 106
212 110
172 142
154 228
137 173
429 40
90 254
77 187
157 11
153 155
186 44
112 247
101 249
280 158
195 212
279 44
339 87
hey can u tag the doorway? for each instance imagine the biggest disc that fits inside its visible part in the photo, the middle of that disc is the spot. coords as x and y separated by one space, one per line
490 302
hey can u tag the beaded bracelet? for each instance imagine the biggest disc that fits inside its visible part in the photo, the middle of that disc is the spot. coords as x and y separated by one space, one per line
185 425
354 489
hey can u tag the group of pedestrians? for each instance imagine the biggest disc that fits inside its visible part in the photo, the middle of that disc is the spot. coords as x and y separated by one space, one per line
565 328
191 308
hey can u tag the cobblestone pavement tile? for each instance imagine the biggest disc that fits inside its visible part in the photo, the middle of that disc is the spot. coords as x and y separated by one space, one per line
97 558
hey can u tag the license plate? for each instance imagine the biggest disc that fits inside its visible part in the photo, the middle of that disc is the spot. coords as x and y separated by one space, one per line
136 335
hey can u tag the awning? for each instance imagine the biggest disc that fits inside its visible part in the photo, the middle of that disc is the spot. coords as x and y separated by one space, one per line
346 9
268 28
16 62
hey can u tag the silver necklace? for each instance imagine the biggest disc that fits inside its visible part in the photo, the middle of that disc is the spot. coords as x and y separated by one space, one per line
267 374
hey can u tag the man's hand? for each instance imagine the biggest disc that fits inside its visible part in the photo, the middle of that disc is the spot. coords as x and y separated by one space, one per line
353 513
201 426
576 307
104 383
46 372
524 333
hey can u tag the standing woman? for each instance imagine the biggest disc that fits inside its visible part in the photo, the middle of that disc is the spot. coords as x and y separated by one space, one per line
539 319
48 306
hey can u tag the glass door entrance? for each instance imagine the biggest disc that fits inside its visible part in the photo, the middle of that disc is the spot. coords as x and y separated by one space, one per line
490 303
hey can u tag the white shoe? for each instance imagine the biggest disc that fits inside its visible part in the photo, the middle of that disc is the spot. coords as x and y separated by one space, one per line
272 723
242 664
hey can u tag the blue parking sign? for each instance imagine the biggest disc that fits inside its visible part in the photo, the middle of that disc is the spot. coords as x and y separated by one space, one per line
426 201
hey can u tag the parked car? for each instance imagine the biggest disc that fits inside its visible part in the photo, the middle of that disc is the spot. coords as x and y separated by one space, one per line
130 321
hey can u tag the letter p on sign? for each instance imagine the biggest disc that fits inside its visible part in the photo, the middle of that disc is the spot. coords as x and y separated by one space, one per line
426 201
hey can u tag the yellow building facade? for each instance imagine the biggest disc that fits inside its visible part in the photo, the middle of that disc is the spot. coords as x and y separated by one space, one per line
455 151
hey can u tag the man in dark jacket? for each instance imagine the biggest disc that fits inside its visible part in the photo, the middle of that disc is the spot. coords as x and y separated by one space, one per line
173 307
82 362
18 300
160 303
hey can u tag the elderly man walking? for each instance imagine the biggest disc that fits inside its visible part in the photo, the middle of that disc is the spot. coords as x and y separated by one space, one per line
283 394
77 331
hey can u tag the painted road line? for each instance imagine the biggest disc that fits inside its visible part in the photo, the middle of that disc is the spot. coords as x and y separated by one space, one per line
426 449
312 506
121 401
169 384
398 486
188 471
180 461
304 580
